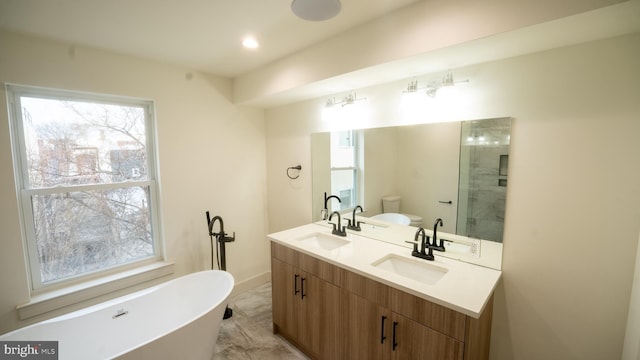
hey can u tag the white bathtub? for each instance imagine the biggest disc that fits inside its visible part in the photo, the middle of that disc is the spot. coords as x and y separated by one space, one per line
179 319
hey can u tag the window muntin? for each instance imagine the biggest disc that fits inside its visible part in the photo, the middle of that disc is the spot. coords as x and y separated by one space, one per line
86 180
344 168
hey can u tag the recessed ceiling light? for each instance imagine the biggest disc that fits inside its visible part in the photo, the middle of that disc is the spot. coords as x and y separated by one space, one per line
250 43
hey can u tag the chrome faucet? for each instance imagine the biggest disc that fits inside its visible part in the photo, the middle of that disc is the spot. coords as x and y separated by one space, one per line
339 230
436 246
351 223
325 211
424 245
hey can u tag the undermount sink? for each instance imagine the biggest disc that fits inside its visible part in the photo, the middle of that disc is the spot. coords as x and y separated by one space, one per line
324 241
418 270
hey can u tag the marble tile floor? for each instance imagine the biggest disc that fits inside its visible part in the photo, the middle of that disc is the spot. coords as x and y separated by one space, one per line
248 333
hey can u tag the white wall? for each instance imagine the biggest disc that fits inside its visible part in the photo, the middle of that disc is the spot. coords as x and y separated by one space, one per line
573 197
212 157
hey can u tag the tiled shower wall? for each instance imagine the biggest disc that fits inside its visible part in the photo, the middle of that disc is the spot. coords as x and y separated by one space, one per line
483 178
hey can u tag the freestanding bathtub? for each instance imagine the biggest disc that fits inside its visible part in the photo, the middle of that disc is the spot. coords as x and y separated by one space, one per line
179 319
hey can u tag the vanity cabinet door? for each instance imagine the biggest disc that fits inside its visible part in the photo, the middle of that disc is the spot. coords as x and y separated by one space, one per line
306 310
307 316
283 298
320 318
367 327
412 340
375 332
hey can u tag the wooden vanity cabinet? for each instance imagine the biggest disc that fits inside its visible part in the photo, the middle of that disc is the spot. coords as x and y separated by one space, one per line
349 316
305 307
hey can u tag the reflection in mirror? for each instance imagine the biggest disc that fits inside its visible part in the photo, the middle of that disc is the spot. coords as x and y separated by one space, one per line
456 171
484 160
344 168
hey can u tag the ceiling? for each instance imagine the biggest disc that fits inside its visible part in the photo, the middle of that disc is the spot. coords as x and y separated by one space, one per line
602 23
203 35
206 35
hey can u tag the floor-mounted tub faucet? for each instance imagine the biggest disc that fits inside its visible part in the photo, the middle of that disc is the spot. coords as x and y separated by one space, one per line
353 224
221 238
325 211
339 229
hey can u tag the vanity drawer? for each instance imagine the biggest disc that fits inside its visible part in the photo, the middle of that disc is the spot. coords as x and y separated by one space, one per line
308 263
437 317
366 288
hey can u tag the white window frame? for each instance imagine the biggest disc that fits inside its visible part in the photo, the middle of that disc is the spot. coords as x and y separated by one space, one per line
356 193
24 193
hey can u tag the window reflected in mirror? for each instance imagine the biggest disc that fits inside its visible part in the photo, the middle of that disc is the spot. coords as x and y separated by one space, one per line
344 168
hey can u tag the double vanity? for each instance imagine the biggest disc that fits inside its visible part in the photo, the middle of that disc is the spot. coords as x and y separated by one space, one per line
358 297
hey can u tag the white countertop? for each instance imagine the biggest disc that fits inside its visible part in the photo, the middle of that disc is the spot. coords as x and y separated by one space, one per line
465 287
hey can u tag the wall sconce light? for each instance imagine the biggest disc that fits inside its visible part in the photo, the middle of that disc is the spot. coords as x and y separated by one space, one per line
351 98
433 87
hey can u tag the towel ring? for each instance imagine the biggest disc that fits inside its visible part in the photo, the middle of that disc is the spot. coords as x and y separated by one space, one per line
299 167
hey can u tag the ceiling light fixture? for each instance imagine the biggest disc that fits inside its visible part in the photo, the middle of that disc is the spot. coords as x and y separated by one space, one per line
316 10
347 100
433 87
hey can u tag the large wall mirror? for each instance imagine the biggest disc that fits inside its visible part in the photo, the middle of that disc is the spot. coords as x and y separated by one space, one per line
456 171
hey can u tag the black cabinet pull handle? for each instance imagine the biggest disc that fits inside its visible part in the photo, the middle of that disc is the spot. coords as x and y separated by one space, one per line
295 284
302 287
395 325
445 202
382 337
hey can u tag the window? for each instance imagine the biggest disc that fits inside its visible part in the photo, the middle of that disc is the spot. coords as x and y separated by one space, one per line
344 169
86 181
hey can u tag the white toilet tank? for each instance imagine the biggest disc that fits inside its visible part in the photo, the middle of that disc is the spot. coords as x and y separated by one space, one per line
391 204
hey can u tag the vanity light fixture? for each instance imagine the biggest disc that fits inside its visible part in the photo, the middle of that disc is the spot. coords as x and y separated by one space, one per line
351 98
433 87
316 10
412 87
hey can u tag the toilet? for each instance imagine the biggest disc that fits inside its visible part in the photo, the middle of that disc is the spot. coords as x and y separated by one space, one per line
391 204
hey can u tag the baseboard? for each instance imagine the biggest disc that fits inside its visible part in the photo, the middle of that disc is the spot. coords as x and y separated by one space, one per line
251 283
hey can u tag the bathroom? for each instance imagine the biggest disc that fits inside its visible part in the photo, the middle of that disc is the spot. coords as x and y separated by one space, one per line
573 215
